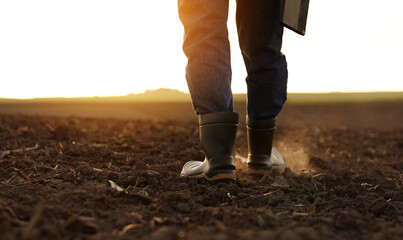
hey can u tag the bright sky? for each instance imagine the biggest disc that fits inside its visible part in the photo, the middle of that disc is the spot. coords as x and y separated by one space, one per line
54 48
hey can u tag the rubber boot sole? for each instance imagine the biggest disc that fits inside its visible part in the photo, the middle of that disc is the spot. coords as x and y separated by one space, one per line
222 177
260 164
257 171
218 177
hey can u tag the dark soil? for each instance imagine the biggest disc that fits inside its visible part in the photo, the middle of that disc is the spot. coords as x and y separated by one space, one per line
69 177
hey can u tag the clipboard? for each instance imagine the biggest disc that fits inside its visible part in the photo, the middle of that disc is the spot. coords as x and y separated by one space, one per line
294 14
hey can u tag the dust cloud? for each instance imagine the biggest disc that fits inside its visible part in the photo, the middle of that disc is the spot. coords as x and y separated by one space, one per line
293 153
294 156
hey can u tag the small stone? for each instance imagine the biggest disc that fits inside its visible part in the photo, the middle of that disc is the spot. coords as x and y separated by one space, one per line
77 224
280 182
183 207
167 233
260 221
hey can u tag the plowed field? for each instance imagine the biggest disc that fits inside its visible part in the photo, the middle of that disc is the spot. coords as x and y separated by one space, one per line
106 174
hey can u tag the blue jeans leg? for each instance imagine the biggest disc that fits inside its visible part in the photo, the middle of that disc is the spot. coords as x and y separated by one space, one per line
260 39
206 45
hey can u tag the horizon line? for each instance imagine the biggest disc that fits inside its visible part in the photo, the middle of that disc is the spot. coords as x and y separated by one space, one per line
187 93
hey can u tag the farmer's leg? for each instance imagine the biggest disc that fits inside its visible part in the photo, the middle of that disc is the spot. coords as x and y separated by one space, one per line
208 74
206 45
260 38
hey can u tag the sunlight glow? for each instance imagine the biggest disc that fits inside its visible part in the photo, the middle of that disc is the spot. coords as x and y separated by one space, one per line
106 48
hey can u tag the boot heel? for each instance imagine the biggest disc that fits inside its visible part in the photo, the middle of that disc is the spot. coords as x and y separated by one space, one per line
220 168
222 177
217 137
261 156
258 164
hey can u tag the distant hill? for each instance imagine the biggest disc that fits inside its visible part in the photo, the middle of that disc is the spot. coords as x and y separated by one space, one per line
158 95
162 94
172 95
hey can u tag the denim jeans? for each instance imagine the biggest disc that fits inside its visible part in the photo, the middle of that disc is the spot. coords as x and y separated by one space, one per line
206 45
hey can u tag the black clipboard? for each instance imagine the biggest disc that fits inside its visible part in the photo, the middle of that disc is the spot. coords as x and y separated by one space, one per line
294 14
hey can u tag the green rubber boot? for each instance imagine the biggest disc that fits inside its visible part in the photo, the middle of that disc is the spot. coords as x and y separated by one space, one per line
262 157
217 137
